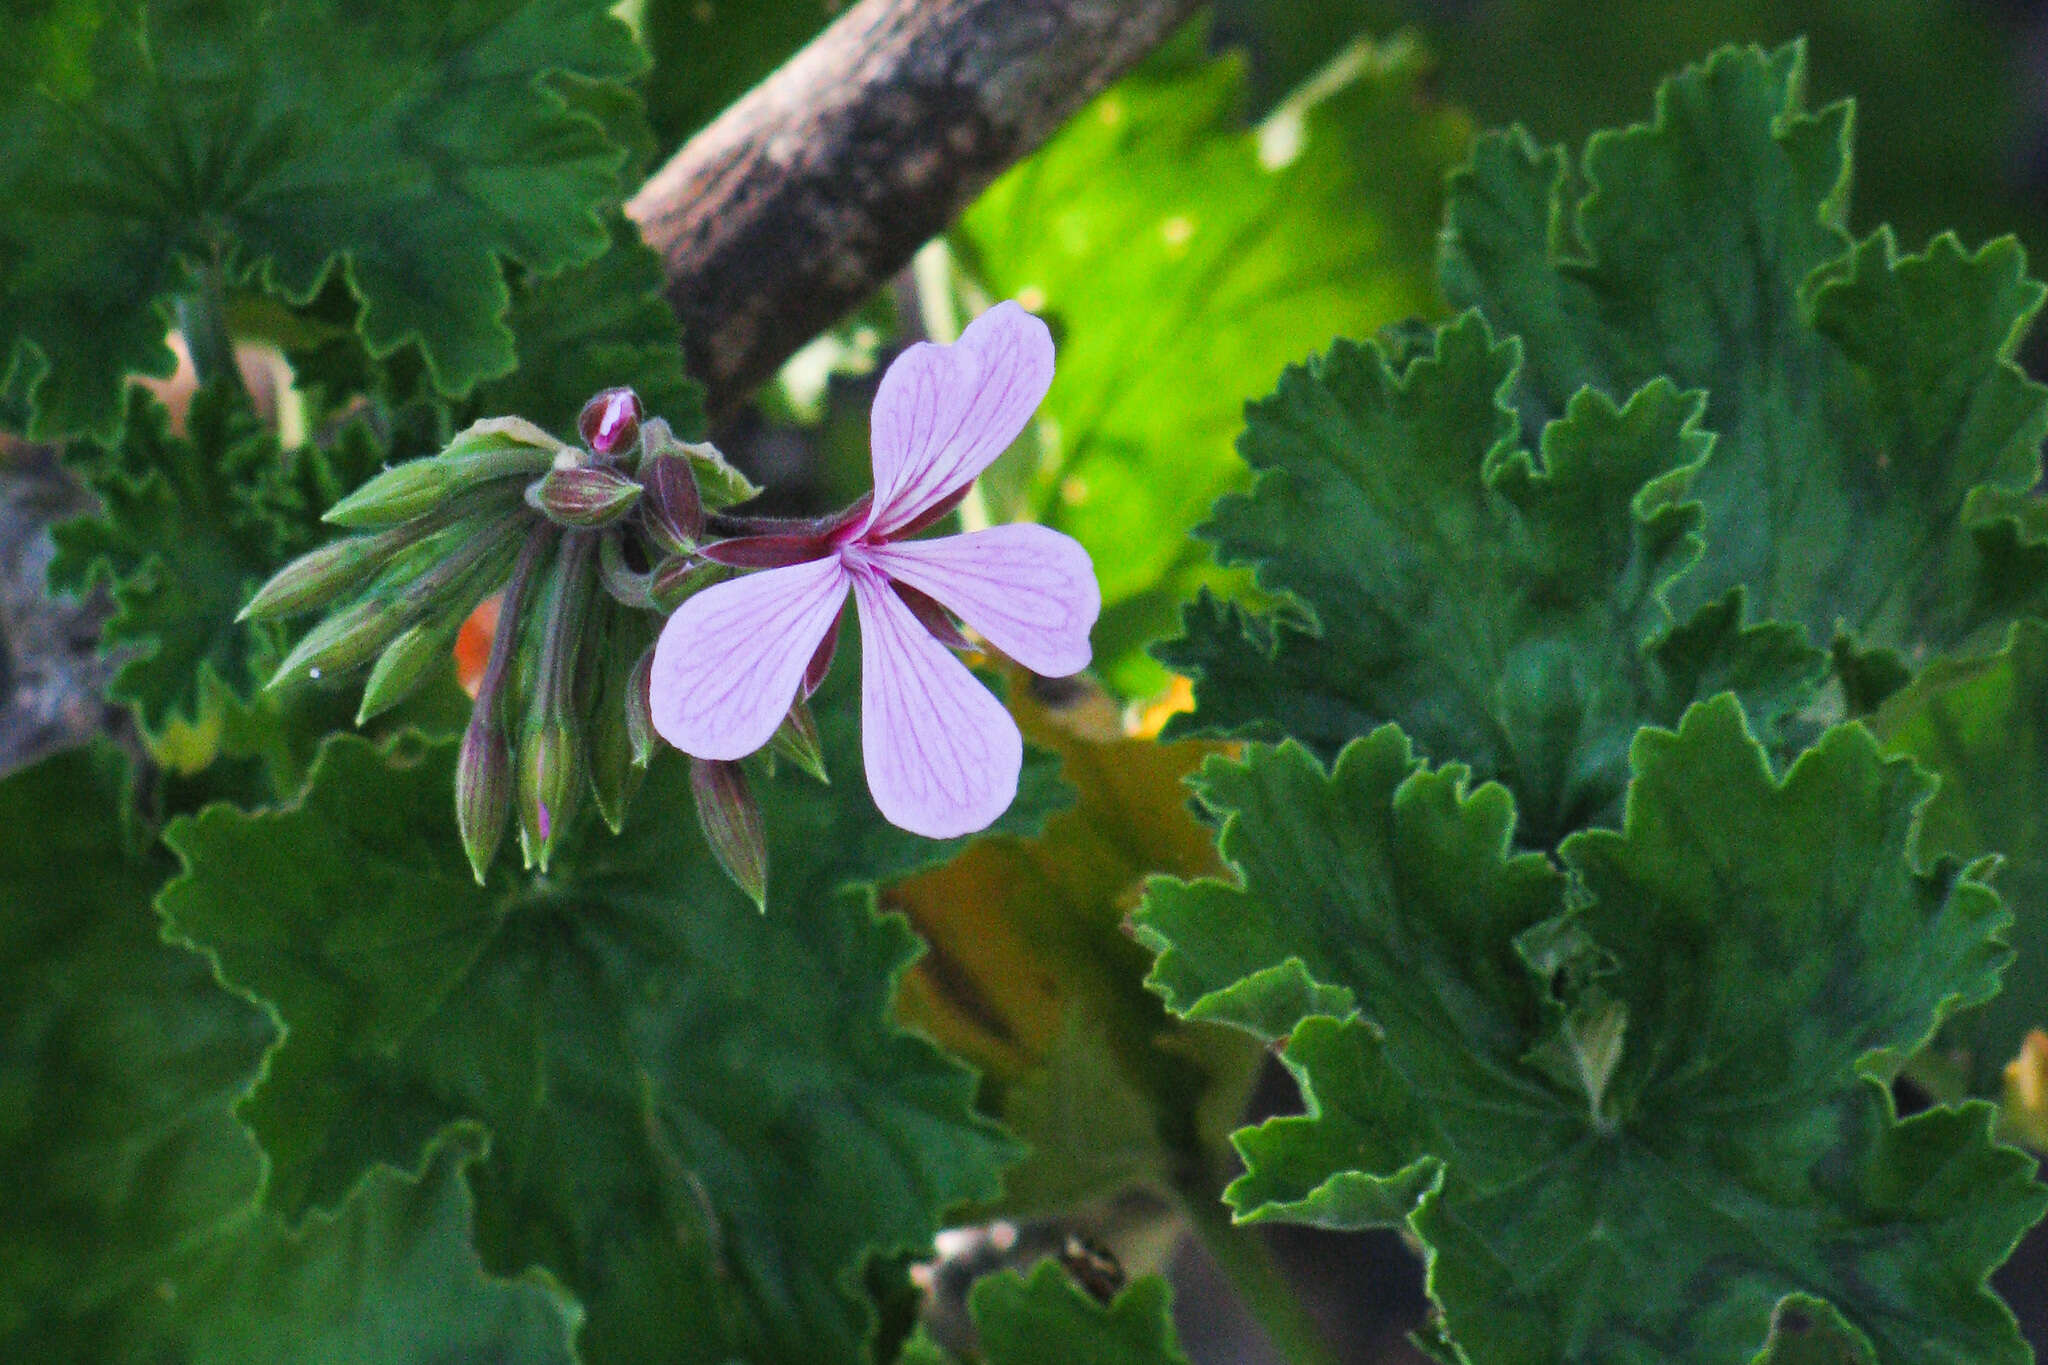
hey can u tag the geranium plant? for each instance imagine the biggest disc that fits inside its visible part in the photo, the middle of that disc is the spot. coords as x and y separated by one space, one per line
1593 750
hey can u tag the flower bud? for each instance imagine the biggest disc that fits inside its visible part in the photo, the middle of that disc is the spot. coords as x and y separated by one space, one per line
640 708
483 791
731 819
417 654
551 749
485 452
583 499
617 640
718 483
352 636
550 779
610 422
672 510
314 579
797 740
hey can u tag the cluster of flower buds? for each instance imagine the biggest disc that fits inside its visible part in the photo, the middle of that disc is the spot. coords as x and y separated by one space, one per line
591 546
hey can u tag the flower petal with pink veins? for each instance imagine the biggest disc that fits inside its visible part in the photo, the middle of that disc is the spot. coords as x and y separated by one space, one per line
944 412
1029 590
729 660
942 755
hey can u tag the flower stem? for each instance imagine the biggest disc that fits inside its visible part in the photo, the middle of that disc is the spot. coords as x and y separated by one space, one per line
1243 1256
203 319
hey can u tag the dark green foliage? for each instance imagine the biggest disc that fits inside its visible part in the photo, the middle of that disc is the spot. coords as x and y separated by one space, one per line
144 142
1625 1129
133 1230
702 1117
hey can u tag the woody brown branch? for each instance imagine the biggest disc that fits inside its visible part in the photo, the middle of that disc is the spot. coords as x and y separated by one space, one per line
820 184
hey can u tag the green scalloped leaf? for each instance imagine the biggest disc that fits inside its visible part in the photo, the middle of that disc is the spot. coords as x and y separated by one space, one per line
1981 726
181 538
590 327
1568 67
132 1230
412 151
1628 1128
1048 1317
1860 397
188 526
703 1119
1183 258
1506 607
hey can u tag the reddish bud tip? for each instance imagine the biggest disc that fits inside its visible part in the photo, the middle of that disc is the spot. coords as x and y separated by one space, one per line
610 422
673 508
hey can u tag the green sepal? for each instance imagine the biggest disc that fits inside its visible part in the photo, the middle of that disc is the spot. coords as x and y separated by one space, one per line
420 653
485 451
621 637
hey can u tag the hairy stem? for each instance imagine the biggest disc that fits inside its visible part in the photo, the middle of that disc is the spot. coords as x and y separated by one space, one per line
1247 1262
203 321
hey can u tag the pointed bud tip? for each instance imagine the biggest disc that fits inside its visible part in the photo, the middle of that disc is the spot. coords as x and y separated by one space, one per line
610 422
483 794
583 499
733 828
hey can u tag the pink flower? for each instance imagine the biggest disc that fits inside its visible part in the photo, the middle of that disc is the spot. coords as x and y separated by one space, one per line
942 755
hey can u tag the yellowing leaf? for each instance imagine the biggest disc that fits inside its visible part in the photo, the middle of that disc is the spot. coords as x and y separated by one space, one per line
1030 975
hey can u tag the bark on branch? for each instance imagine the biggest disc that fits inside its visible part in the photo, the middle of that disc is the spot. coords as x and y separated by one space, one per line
820 184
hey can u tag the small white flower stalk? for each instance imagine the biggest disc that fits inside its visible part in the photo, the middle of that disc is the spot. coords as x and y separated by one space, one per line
589 544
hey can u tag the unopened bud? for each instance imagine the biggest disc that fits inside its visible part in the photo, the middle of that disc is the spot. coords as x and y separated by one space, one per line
483 792
550 776
640 709
619 637
731 819
352 636
610 422
419 652
583 499
501 433
718 483
314 579
672 510
551 756
500 449
797 740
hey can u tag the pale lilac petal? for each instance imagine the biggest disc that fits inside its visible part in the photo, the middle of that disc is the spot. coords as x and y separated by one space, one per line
1029 590
728 662
941 752
943 412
